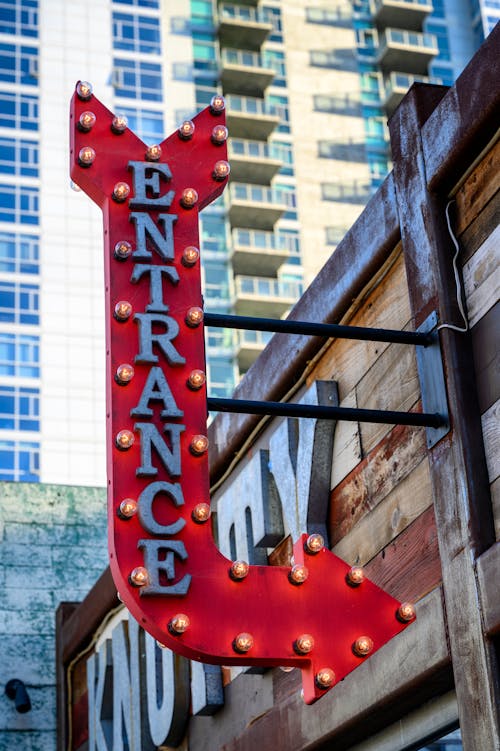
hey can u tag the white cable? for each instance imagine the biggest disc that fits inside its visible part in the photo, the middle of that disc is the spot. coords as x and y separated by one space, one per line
457 279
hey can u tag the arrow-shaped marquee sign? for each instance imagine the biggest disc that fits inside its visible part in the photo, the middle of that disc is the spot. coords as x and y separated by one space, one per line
319 614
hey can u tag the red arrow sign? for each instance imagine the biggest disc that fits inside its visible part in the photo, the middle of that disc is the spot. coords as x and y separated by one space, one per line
319 615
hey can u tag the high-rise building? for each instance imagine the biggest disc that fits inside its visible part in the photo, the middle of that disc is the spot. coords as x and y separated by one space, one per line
308 88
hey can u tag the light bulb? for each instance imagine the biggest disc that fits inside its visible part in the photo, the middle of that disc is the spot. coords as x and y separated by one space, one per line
124 440
325 678
406 612
298 574
355 576
239 570
190 255
74 186
122 250
243 643
127 508
139 576
123 310
121 191
201 513
303 644
124 374
119 124
194 317
362 646
86 156
217 104
221 170
153 153
178 624
198 445
84 90
186 130
196 380
219 135
189 198
86 121
314 544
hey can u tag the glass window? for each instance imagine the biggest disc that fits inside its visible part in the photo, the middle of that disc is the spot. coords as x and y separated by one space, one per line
18 157
273 16
19 17
450 742
342 59
19 355
136 33
134 79
276 60
213 233
19 253
216 280
346 192
19 408
140 3
19 303
18 111
19 64
147 124
19 461
220 374
18 203
332 17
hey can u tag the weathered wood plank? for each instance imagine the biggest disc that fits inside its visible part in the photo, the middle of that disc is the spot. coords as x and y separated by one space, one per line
488 566
491 434
482 278
373 479
478 189
477 232
495 501
346 445
410 498
486 348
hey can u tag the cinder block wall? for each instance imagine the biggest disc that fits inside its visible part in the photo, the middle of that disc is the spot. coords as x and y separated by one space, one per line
53 548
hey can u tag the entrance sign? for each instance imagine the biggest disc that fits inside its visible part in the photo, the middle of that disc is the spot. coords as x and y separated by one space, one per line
319 614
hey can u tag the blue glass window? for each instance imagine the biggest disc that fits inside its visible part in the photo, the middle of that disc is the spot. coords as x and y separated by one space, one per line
276 60
213 233
148 124
140 3
19 303
19 355
18 157
19 461
19 17
18 111
136 33
19 253
19 64
19 408
273 16
19 203
134 79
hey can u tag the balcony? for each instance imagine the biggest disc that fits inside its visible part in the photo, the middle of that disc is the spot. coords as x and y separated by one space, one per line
256 206
396 86
258 252
253 161
249 117
259 296
250 345
406 51
242 26
245 72
401 14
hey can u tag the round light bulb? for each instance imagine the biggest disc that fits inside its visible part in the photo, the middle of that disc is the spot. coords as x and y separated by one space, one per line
314 544
139 576
298 574
124 374
217 104
362 646
86 121
190 255
153 153
194 317
243 643
124 440
84 90
123 310
178 624
239 570
325 678
219 134
121 191
355 576
74 187
406 612
304 644
196 380
221 170
186 130
201 513
127 508
86 156
119 124
189 198
198 445
122 250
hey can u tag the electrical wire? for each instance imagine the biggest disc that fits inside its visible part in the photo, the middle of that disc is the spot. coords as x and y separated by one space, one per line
457 279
